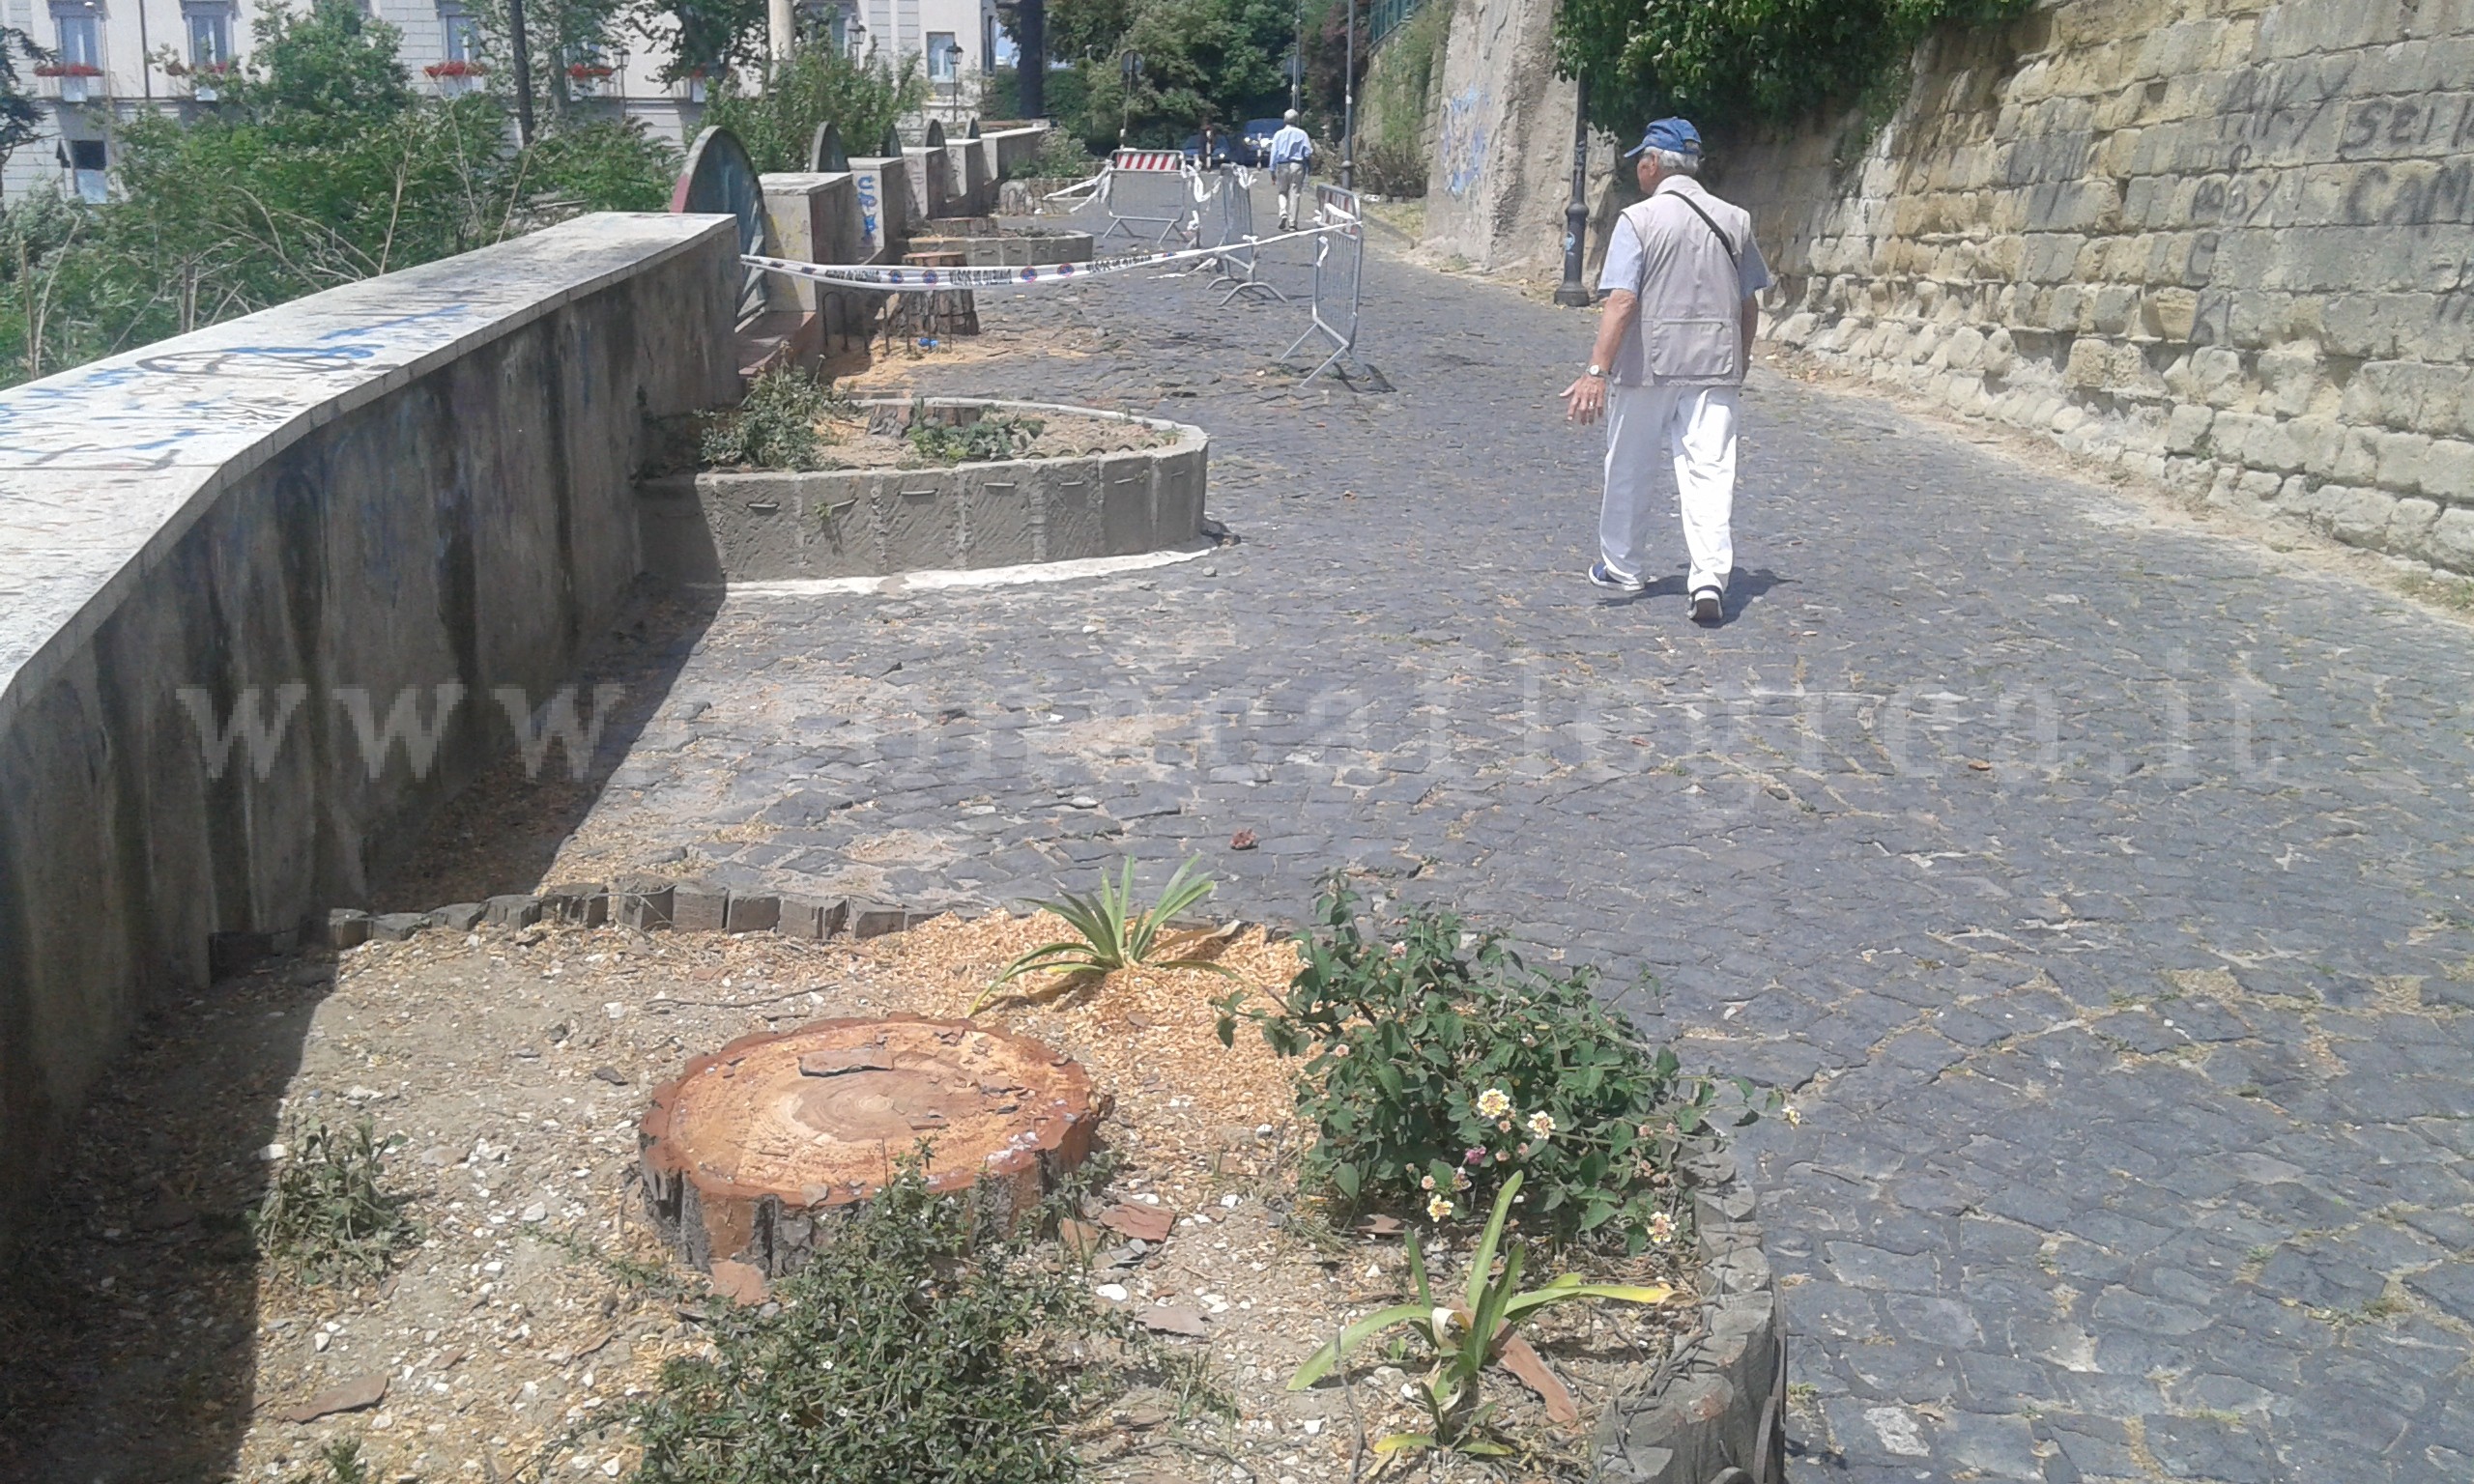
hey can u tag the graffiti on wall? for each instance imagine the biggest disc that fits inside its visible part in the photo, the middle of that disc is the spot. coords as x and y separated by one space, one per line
1460 142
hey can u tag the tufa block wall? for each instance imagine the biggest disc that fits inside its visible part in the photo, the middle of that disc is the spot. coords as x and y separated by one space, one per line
2227 244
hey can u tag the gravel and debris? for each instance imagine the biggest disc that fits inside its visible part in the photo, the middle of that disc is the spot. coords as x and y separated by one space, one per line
511 1067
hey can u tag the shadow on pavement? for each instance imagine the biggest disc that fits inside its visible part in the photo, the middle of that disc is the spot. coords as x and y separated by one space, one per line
130 1349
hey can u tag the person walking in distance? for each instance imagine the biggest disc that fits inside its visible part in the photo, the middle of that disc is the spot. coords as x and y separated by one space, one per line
1682 269
1291 149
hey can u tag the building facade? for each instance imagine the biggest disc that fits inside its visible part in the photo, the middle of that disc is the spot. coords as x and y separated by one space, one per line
113 58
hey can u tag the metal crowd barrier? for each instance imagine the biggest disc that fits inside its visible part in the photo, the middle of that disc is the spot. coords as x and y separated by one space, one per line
1150 188
1340 264
1235 266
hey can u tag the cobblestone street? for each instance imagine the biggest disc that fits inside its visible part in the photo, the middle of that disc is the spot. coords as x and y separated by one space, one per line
2101 891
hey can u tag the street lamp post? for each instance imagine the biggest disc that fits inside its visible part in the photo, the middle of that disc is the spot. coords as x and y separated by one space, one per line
1572 293
1348 107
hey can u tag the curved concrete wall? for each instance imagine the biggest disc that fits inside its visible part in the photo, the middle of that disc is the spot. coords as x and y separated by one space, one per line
715 528
366 517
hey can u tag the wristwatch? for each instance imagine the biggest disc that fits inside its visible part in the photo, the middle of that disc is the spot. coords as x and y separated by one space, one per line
1596 370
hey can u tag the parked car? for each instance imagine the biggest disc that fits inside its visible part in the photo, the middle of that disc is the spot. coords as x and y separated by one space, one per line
1258 148
1225 149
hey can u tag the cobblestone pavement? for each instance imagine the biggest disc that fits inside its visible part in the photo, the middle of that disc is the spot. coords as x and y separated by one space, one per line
2099 889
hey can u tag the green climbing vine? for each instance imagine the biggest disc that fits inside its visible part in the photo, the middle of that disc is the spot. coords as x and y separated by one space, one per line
1745 61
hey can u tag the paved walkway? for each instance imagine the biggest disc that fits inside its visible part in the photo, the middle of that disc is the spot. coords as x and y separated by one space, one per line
2101 891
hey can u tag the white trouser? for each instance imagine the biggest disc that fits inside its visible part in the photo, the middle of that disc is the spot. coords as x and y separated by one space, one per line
1292 189
1697 426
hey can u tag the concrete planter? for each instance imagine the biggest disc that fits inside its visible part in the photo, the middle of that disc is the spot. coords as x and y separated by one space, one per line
715 528
983 246
1718 1411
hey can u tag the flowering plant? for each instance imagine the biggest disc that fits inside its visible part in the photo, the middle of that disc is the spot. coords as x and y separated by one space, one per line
1438 1066
67 69
1468 1336
589 72
457 67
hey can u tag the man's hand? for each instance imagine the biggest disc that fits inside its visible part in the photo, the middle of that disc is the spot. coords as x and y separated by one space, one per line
1585 400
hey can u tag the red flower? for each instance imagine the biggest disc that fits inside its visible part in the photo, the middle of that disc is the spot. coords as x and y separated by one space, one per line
583 72
69 70
457 69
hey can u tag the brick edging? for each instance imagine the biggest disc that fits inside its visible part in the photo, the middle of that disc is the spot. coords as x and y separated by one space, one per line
645 903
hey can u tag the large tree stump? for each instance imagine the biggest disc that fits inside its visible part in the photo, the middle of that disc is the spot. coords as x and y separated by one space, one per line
756 1146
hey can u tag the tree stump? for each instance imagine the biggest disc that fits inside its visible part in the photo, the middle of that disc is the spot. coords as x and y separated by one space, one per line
753 1149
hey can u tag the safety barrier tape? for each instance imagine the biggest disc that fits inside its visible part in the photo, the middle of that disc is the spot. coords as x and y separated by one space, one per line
929 280
1077 189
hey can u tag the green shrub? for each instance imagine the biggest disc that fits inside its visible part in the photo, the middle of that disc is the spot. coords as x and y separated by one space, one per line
1440 1064
1727 61
1064 157
998 436
327 1217
776 109
776 426
919 1346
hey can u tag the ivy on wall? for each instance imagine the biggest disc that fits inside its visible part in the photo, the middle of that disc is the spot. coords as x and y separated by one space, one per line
1723 62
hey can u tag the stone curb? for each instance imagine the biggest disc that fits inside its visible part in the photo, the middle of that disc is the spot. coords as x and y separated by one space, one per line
1715 1413
645 903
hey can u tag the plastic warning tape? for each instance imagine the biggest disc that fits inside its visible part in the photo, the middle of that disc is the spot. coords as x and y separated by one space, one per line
929 280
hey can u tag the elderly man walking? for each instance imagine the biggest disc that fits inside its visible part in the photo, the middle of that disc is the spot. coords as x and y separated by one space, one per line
1290 151
1682 269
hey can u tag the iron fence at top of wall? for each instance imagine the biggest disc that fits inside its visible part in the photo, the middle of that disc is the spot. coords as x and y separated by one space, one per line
1390 15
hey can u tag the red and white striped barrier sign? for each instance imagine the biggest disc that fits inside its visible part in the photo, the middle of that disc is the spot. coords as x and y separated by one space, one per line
1154 160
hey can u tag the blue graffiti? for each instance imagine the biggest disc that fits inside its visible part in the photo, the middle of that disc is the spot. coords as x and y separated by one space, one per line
1463 144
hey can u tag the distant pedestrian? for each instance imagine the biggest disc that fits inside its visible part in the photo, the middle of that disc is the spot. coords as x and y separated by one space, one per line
1680 274
1290 153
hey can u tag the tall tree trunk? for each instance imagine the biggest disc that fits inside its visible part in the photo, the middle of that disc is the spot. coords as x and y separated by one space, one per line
1030 67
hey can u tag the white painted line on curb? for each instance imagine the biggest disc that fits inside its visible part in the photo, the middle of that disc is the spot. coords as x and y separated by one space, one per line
1019 576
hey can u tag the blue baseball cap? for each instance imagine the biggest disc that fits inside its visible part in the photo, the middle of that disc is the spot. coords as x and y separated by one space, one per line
1675 135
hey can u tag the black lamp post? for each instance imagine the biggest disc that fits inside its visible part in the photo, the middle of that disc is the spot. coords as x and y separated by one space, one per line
1573 292
1348 107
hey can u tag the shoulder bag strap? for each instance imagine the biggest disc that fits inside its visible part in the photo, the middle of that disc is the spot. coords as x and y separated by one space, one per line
1724 240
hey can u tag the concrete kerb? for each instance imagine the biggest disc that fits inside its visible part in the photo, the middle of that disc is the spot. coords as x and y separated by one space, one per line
1717 1409
707 528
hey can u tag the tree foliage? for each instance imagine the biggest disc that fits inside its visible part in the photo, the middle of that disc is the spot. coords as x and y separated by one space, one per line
321 165
20 122
1733 61
1215 62
775 113
563 41
704 38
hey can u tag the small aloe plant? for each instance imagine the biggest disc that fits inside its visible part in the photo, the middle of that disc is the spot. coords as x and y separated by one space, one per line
1470 1335
1111 933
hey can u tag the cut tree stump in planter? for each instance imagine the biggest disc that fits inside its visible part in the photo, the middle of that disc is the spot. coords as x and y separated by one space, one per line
756 1147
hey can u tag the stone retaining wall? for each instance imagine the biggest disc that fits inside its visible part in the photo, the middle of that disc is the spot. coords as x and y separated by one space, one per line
2225 242
265 590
